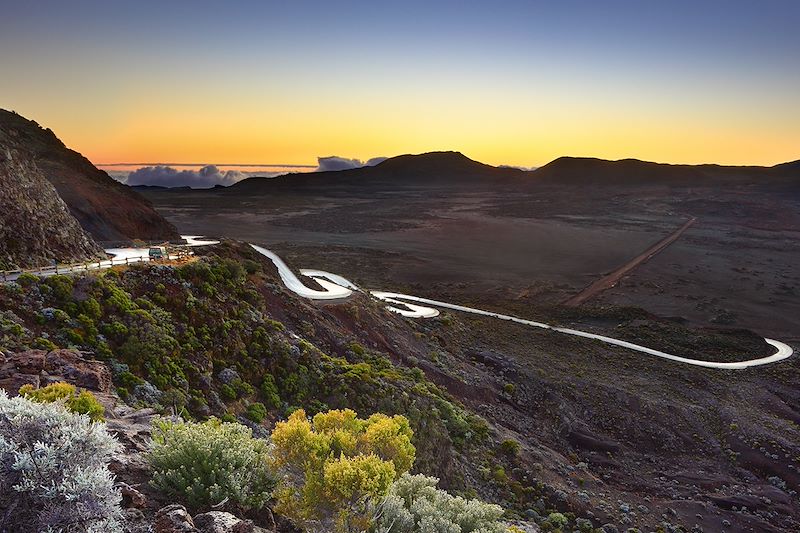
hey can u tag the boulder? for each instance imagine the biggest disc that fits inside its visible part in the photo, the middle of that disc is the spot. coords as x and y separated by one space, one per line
27 362
174 519
221 522
93 375
132 497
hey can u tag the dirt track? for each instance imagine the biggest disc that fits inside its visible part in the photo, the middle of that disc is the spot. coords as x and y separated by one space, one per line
610 280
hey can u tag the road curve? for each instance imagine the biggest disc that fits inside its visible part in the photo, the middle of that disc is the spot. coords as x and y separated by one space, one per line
331 290
418 307
335 287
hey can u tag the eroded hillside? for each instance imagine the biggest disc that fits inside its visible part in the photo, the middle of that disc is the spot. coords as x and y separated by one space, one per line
36 227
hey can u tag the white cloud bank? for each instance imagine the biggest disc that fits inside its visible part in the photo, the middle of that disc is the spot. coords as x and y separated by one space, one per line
343 163
163 176
518 167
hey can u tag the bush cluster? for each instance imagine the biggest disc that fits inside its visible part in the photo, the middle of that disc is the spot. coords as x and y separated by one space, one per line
54 470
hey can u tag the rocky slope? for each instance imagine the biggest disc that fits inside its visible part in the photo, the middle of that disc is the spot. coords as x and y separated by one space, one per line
108 210
36 227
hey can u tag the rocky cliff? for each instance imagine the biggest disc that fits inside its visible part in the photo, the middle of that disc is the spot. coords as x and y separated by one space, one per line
107 209
36 227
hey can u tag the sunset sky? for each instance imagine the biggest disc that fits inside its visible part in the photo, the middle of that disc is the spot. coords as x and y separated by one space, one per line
504 82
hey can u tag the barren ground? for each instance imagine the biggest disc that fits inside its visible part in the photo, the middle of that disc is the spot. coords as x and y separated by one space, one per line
734 267
613 430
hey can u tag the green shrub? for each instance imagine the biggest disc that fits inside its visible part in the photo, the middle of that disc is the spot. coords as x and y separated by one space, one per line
250 266
77 401
61 286
243 388
256 412
92 308
60 316
44 344
270 392
415 505
26 279
227 392
211 463
510 447
74 337
555 522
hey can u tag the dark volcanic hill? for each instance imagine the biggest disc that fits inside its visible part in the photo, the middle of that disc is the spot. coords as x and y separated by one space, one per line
453 169
433 168
107 209
36 227
592 171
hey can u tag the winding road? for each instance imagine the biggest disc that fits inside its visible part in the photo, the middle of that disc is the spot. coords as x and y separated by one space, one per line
335 287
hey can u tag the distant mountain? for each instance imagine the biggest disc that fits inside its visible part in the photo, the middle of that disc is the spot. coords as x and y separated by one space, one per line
434 168
36 228
107 209
792 167
455 169
591 171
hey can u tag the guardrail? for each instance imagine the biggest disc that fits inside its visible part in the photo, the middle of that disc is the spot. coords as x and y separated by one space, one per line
12 275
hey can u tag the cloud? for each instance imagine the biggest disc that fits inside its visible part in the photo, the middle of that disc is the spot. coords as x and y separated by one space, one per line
333 162
518 167
164 176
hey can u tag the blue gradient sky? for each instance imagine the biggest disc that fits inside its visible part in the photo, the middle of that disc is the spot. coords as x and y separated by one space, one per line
512 82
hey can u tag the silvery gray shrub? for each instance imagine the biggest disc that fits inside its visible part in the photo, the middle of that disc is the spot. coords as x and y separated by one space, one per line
415 505
54 473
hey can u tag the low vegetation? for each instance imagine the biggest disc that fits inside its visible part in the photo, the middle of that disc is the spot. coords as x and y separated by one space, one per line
211 464
336 464
76 400
211 340
54 470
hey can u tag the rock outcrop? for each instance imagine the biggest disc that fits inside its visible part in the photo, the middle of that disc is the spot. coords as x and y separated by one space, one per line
41 368
36 227
107 209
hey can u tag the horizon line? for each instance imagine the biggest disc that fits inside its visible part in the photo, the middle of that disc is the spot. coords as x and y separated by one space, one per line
270 165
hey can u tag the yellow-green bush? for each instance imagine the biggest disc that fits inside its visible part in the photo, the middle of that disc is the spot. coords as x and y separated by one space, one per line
76 400
335 464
